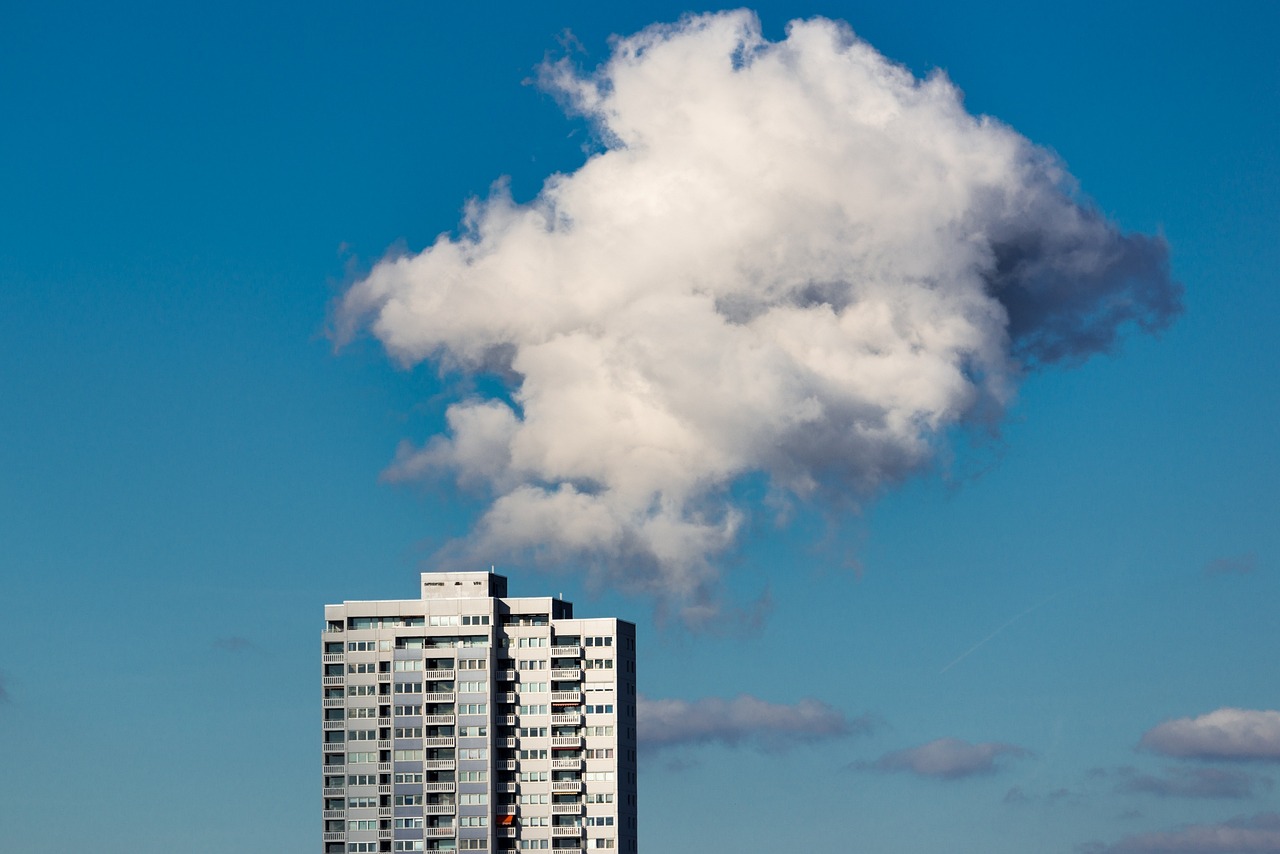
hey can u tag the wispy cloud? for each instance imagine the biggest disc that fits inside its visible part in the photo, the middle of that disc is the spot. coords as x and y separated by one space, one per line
1256 834
791 260
1194 783
1019 795
947 759
1224 734
1234 565
235 643
743 720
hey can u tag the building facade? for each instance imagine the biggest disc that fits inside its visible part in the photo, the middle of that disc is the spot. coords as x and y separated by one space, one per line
469 720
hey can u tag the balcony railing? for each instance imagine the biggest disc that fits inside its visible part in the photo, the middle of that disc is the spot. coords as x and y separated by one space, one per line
566 718
566 741
335 724
442 741
334 835
384 790
566 809
442 697
572 673
335 813
438 674
384 744
438 832
566 763
384 766
334 792
334 702
438 719
566 830
439 787
438 765
384 812
566 785
566 651
334 680
439 809
334 658
566 696
333 747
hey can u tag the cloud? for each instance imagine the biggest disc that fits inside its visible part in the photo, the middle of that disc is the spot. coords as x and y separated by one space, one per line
948 759
1224 734
1235 565
1257 834
789 261
742 720
235 643
1194 783
1017 796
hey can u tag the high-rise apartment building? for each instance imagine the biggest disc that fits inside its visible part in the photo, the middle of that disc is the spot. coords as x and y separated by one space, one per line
469 720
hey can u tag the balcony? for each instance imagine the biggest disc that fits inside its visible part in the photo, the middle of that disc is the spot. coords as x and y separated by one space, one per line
442 697
334 658
561 764
384 812
384 834
504 809
566 809
570 697
384 744
438 832
566 785
439 809
334 792
439 674
574 850
508 697
334 680
562 741
438 765
570 830
566 718
442 741
439 787
384 766
334 702
384 790
447 720
333 747
505 787
566 651
334 724
335 814
571 673
335 836
505 765
384 721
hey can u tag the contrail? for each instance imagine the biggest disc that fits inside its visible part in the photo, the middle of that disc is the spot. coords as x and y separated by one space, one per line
971 650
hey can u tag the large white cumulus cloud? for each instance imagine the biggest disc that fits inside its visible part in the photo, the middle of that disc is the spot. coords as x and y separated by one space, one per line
790 258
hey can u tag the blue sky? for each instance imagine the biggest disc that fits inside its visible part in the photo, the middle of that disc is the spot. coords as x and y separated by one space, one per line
189 469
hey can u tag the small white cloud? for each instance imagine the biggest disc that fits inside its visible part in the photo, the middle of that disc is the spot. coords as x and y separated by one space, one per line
1257 834
1232 565
1225 734
741 720
947 758
1194 783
